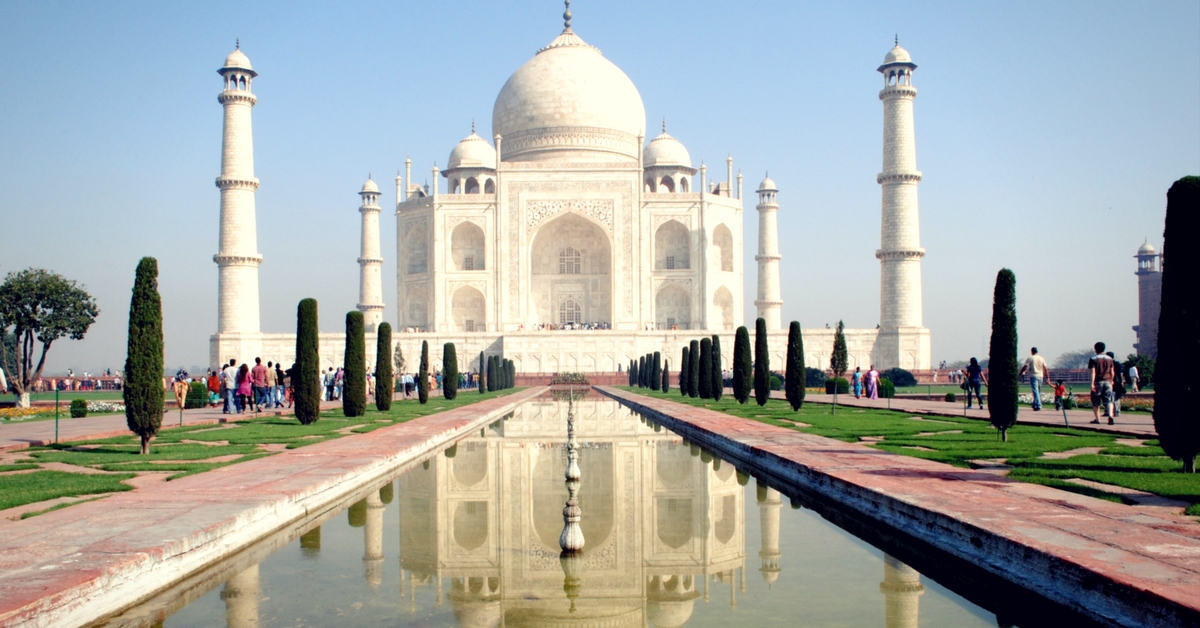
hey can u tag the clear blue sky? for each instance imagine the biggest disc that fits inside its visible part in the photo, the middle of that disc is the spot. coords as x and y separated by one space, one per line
1048 134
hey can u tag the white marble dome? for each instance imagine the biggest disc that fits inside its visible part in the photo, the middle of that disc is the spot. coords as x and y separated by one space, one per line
767 185
369 187
665 150
472 152
897 55
568 99
237 59
1146 249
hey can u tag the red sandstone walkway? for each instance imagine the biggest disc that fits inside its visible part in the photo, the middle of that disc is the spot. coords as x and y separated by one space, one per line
71 566
1132 565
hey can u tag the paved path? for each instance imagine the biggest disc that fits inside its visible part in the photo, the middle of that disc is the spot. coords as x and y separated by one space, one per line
1141 425
1133 566
71 566
20 435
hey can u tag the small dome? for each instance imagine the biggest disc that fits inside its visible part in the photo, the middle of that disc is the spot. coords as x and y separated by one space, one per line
767 185
1146 249
238 60
472 152
665 150
897 55
370 187
669 614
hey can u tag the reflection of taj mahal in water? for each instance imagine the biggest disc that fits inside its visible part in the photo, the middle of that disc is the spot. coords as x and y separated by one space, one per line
568 214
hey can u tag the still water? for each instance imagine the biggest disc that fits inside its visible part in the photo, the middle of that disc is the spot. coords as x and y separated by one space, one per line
470 538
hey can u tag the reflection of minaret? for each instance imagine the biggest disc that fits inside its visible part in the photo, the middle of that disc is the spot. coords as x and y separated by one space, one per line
241 597
310 542
901 589
373 540
768 518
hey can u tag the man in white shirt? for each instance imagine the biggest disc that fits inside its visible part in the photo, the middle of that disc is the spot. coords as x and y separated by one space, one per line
1133 376
1038 373
229 378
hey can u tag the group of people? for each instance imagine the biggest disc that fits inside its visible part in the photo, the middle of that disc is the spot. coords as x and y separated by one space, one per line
241 388
1109 380
865 383
568 326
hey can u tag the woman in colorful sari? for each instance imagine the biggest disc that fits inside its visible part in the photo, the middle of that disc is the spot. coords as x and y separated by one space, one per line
857 380
872 378
244 385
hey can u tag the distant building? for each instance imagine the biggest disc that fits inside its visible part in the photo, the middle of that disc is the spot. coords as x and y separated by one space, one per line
1149 274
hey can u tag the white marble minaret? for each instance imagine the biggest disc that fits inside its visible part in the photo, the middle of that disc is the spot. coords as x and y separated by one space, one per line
237 258
370 261
769 303
769 505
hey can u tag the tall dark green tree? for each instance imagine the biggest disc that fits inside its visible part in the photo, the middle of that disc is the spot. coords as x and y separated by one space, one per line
483 374
762 363
511 372
666 376
694 368
718 382
684 369
307 373
449 371
143 390
794 377
706 366
656 371
642 372
839 361
743 368
493 377
423 374
633 373
385 378
354 395
1175 385
1002 354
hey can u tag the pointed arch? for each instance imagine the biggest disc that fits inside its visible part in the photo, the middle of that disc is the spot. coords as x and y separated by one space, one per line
723 300
672 246
467 247
723 240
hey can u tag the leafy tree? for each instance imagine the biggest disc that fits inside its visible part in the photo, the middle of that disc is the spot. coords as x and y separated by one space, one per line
814 378
398 360
762 363
706 366
423 374
743 368
718 382
694 368
354 397
795 375
143 389
385 378
839 361
1069 360
666 376
9 354
1179 329
1145 367
656 371
449 371
900 377
684 369
39 305
483 374
307 374
1002 354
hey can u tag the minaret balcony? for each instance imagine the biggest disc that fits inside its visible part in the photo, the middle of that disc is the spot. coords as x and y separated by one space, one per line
898 177
237 97
236 183
905 254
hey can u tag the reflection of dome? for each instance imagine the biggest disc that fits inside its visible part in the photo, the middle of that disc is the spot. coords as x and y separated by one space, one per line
568 98
897 55
370 187
237 59
665 150
670 614
472 152
475 613
1146 249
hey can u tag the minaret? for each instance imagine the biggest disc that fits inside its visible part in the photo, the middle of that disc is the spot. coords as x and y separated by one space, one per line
769 505
1149 300
373 540
902 589
237 258
241 595
900 249
370 261
769 303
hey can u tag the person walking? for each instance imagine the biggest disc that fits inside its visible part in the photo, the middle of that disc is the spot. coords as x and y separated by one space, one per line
872 378
214 388
245 387
328 381
1133 377
857 379
1118 384
1035 365
975 381
258 379
229 385
269 391
1101 372
180 388
280 384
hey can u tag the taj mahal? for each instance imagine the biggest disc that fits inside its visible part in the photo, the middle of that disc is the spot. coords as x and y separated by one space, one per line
567 242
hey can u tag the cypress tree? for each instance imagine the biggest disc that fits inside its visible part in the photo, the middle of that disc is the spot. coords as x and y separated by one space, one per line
423 374
483 385
666 377
385 379
762 363
684 369
512 374
742 368
449 371
656 371
492 380
694 368
1178 329
718 382
143 390
1002 354
354 397
706 365
794 377
307 373
633 373
641 372
839 361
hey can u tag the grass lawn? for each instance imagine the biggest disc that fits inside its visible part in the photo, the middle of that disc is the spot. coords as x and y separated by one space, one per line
958 441
90 395
195 448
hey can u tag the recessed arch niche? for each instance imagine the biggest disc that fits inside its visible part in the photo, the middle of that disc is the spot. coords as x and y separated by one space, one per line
571 259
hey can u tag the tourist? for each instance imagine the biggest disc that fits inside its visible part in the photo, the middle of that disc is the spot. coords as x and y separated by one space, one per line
1118 384
214 389
289 384
975 380
858 383
1101 370
872 378
269 391
328 381
258 379
245 388
339 382
409 383
1035 365
279 384
1060 395
229 384
1133 377
180 388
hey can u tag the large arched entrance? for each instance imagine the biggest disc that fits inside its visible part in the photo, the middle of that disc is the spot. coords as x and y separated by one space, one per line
571 272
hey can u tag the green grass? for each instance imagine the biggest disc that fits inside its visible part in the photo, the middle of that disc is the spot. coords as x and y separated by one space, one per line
27 488
68 395
22 466
1141 468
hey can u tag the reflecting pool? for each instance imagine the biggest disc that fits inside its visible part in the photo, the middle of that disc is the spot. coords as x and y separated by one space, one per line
470 537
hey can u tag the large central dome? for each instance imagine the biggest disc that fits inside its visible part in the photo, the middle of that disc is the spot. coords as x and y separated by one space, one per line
567 103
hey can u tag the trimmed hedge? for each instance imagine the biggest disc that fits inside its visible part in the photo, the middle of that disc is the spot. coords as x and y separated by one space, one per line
78 408
354 392
306 378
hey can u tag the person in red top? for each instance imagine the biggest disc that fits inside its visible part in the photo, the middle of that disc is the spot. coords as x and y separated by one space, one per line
258 378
